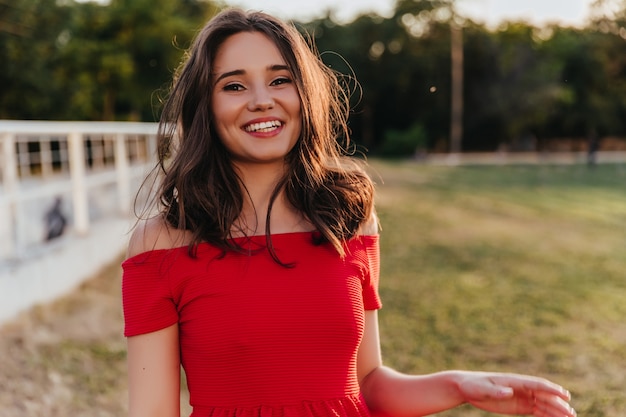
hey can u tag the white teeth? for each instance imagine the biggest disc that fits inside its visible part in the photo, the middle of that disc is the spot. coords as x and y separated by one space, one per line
263 126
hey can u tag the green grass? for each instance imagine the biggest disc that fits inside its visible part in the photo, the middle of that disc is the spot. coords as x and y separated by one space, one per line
507 268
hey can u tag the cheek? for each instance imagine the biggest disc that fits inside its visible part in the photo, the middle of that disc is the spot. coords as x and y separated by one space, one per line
296 117
218 123
296 111
224 119
217 110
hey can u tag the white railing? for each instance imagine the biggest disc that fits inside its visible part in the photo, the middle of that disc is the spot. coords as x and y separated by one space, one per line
94 168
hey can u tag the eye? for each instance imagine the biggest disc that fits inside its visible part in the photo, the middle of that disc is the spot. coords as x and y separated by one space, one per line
233 87
281 80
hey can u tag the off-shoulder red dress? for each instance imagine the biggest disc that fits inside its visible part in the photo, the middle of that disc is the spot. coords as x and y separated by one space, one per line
258 338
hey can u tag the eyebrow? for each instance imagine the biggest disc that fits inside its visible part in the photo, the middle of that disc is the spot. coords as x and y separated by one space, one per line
272 68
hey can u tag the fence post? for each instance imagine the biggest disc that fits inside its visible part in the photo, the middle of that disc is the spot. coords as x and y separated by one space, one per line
79 189
123 173
152 148
10 183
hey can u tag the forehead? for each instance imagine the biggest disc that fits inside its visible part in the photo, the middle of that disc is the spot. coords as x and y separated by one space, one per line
247 50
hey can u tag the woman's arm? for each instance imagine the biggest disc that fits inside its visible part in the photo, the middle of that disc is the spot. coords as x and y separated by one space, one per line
154 358
388 392
154 374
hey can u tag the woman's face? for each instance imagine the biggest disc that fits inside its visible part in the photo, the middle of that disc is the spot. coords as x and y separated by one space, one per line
255 102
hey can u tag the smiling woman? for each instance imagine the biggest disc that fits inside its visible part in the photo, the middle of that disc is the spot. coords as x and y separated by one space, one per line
255 102
259 272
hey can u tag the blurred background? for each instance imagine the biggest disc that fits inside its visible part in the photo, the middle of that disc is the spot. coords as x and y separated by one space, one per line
495 131
549 75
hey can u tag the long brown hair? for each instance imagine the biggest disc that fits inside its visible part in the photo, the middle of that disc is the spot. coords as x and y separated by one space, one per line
200 190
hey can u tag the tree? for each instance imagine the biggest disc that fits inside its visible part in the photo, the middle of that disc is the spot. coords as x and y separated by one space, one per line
30 31
402 65
60 59
119 55
92 61
518 86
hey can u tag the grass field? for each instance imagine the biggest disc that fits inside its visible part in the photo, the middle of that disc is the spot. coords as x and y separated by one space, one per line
518 268
514 268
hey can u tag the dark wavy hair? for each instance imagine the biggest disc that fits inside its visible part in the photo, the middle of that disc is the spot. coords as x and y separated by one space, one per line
200 190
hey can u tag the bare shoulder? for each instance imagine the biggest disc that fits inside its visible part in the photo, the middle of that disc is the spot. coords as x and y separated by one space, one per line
154 233
370 226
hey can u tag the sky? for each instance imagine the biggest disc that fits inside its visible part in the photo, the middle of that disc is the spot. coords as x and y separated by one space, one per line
490 12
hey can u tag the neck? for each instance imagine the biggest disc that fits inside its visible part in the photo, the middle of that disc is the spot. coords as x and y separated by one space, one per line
260 182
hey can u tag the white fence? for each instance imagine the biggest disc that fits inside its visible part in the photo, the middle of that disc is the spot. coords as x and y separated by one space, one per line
80 160
94 169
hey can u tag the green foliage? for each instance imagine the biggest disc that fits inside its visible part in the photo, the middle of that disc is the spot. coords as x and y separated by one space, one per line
518 80
27 61
89 61
400 143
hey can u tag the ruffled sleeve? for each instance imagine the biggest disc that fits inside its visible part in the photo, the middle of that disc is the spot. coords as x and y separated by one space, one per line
146 295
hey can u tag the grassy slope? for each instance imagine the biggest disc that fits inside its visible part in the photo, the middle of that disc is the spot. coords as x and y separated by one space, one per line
501 268
67 358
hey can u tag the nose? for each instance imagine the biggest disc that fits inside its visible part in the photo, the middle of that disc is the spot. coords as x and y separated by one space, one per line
261 99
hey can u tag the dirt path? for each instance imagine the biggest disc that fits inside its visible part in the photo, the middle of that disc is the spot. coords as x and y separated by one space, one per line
67 358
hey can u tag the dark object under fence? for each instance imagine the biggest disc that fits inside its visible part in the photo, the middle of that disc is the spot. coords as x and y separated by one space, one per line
55 221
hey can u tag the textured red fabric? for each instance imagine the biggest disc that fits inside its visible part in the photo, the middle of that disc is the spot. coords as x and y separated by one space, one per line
257 338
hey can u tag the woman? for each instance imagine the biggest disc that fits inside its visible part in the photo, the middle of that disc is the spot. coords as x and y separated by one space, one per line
259 274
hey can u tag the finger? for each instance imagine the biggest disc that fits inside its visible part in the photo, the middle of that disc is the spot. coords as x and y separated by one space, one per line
553 406
532 384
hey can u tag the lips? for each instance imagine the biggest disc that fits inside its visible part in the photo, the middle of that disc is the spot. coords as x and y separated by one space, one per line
263 127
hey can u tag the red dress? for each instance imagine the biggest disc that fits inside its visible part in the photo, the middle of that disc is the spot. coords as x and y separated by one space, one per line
258 338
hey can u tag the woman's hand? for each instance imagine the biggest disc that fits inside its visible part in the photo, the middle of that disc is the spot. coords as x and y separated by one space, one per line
515 394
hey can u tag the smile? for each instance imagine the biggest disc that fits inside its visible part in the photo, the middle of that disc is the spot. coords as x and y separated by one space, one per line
263 127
